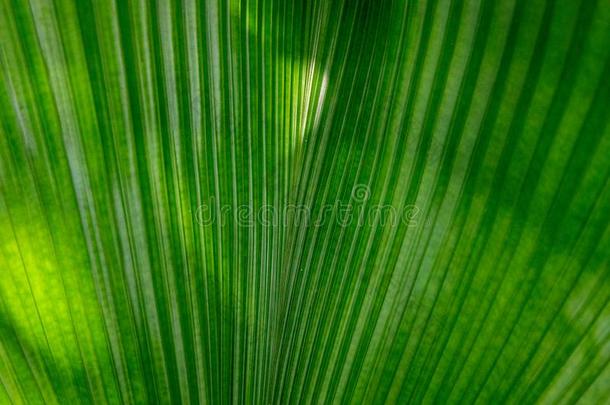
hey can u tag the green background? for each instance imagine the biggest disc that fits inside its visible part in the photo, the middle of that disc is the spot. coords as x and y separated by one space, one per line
486 121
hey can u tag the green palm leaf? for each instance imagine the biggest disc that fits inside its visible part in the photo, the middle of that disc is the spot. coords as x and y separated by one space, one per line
264 201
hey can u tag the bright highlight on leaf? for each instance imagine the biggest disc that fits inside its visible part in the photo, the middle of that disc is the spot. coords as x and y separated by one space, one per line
310 201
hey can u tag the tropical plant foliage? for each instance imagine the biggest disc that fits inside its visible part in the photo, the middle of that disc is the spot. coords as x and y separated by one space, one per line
304 201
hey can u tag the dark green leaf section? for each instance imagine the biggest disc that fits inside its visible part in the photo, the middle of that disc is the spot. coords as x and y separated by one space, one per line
321 201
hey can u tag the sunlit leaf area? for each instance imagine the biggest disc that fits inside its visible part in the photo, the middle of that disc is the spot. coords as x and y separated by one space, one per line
304 202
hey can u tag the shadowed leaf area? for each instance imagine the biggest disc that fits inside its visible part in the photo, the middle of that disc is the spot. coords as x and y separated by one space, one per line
308 201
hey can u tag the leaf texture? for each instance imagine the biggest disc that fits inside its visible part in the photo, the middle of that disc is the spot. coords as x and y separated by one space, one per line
310 201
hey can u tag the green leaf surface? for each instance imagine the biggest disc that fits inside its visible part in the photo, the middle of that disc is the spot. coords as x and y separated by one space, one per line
308 201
